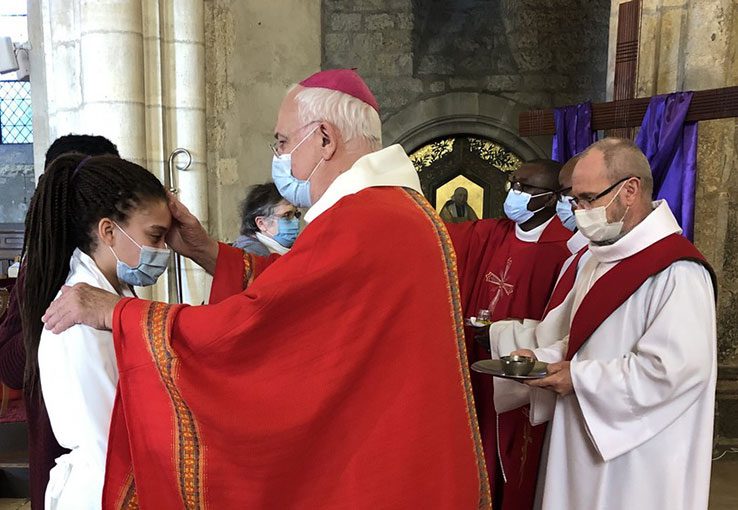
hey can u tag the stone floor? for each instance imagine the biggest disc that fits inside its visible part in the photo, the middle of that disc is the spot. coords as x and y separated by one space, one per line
724 486
723 493
14 504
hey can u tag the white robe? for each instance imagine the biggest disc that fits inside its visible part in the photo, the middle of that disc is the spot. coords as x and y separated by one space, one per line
510 335
637 431
386 167
79 376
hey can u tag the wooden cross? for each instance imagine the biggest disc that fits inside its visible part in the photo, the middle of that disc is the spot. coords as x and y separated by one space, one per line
625 112
626 57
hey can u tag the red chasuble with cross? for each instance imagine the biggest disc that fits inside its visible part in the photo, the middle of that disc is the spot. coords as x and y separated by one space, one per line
512 279
338 379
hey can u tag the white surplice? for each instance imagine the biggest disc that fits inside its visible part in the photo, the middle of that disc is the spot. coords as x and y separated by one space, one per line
510 335
637 431
386 167
79 376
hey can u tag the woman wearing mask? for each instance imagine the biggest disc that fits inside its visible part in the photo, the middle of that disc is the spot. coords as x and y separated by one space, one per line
269 224
102 221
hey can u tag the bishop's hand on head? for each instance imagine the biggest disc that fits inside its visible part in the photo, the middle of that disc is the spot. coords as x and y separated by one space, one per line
189 238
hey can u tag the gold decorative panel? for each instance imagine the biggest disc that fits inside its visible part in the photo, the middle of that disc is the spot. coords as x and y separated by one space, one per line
430 153
480 165
495 154
476 194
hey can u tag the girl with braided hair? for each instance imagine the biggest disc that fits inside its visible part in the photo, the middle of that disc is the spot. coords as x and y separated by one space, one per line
100 220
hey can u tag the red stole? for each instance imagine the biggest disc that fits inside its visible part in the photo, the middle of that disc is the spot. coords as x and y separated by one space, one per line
615 287
565 283
608 293
516 278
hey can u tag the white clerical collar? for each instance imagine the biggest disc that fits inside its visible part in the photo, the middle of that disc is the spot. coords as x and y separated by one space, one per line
272 245
386 167
660 223
532 235
577 242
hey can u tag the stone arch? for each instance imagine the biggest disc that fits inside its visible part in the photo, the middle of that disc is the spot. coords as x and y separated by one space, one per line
469 113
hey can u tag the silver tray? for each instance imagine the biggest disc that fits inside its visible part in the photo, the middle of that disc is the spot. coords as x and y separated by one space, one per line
494 367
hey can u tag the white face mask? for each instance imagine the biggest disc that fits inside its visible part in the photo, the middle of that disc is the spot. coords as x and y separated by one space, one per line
593 224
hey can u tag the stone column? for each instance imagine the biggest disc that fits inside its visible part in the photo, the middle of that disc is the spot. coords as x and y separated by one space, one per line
181 96
38 38
92 56
134 72
254 51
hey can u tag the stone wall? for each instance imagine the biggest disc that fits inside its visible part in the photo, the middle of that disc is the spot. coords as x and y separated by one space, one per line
690 45
253 53
16 182
134 72
537 54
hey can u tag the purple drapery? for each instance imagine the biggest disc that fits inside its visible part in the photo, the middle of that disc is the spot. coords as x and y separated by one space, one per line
670 144
573 131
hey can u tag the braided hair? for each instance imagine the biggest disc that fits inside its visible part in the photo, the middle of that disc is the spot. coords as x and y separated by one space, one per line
77 191
92 145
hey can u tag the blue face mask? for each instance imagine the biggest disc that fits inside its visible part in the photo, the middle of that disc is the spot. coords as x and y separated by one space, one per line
294 190
287 231
516 206
152 262
566 213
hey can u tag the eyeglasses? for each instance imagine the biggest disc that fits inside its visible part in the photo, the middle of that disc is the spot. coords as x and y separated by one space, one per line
586 202
287 215
564 192
278 146
518 187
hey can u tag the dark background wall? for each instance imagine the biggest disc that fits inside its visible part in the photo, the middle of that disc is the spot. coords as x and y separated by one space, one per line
539 53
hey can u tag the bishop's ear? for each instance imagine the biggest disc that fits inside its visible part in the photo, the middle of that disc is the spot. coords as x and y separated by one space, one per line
329 138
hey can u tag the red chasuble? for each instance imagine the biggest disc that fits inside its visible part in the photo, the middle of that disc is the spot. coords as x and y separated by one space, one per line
512 279
337 380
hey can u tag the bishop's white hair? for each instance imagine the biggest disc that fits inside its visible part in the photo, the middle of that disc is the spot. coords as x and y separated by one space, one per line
352 117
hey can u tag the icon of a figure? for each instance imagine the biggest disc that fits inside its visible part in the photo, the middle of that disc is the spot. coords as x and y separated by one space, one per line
456 209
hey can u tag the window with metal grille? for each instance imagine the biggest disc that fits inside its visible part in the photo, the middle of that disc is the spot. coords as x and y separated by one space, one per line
15 112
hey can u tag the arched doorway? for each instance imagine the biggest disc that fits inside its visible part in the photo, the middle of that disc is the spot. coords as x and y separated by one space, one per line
478 164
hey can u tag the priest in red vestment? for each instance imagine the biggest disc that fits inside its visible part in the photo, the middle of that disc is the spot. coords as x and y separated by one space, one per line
333 377
511 398
509 267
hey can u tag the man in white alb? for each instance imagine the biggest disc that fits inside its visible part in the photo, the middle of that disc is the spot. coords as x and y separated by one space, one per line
634 377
